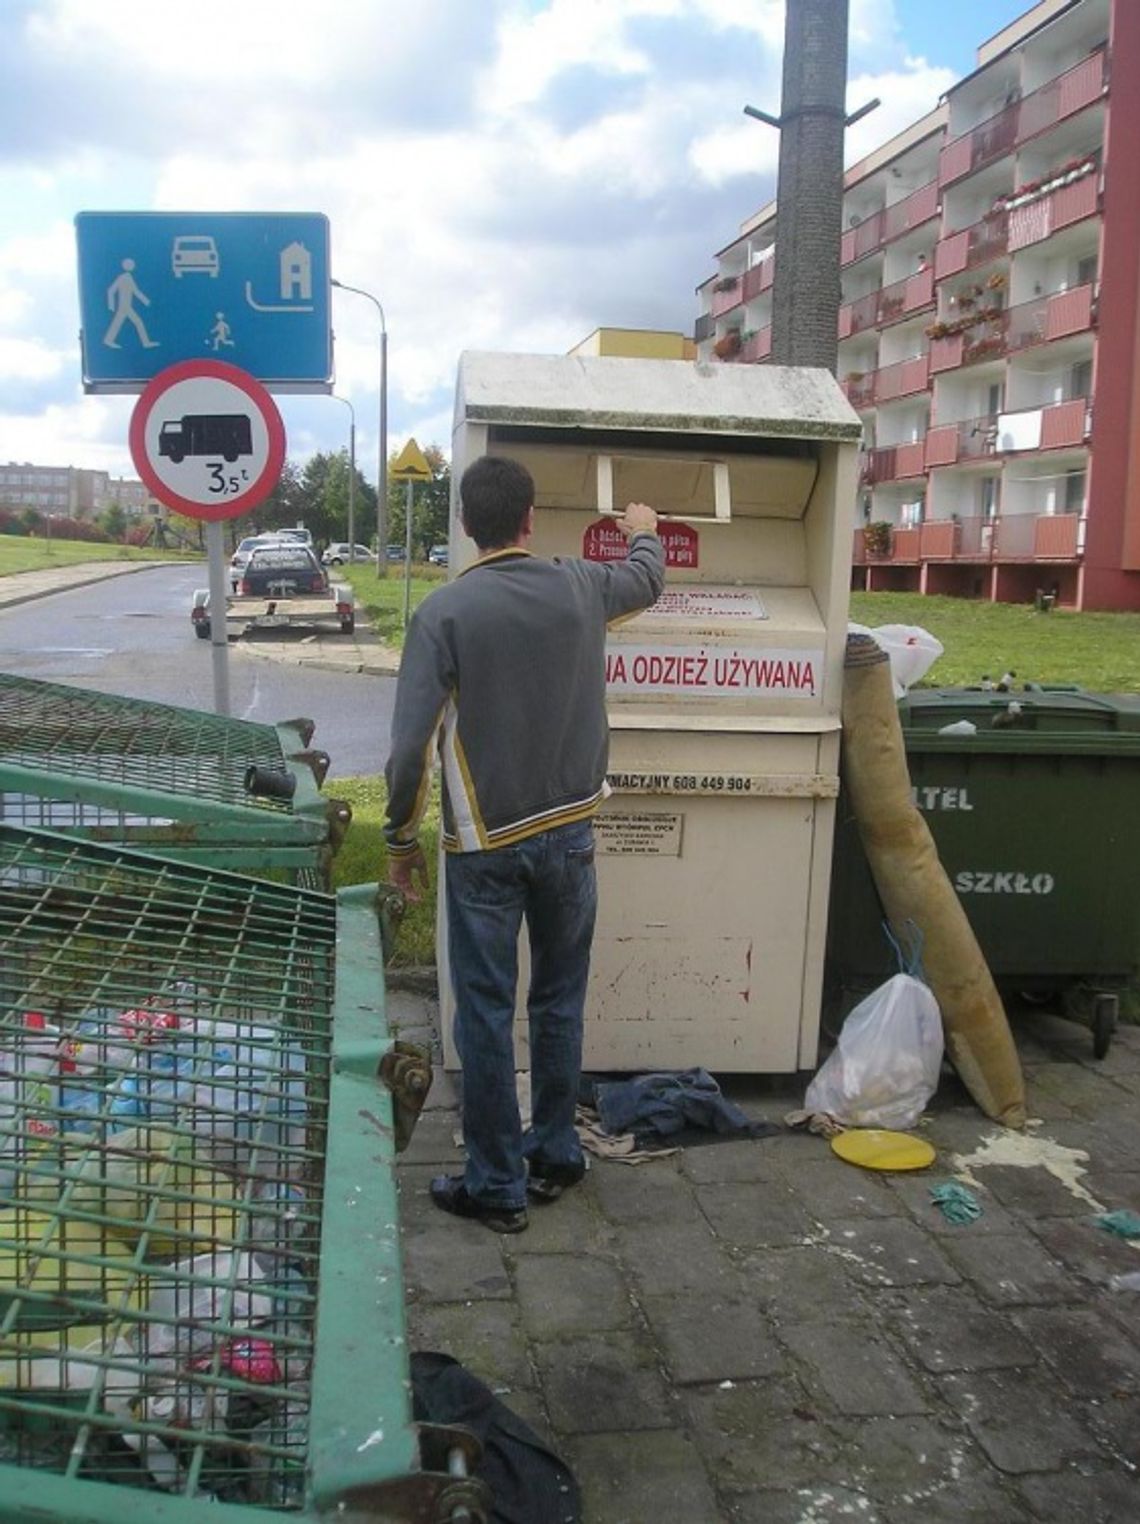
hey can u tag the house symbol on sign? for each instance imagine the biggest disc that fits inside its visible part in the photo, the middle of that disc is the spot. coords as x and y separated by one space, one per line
296 273
296 282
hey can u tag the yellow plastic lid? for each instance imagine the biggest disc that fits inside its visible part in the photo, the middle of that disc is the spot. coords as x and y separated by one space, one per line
875 1148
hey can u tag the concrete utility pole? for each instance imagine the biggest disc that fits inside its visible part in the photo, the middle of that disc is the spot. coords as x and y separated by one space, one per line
812 120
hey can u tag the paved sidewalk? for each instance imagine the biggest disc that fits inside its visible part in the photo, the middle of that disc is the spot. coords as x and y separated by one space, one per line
22 587
756 1331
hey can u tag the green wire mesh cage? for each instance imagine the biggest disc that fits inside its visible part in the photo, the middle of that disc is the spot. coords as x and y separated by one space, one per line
199 787
200 1288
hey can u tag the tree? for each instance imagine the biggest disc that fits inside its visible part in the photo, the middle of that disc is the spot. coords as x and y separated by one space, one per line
113 522
431 506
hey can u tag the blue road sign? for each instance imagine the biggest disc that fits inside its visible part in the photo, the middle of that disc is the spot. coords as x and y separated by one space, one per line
250 288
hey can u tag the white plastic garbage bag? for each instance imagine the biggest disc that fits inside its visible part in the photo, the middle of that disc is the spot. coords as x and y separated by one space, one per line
885 1066
911 649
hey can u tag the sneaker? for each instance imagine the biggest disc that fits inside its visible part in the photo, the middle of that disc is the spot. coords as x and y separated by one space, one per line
450 1194
546 1182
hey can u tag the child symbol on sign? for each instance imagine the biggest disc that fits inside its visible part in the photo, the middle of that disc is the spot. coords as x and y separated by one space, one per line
220 334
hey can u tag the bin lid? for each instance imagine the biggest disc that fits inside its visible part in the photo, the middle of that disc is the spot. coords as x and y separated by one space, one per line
1031 718
672 396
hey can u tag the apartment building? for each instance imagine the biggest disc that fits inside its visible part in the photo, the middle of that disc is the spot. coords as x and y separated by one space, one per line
988 332
69 491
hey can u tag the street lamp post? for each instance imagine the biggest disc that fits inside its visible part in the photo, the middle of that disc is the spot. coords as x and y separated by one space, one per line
351 476
382 473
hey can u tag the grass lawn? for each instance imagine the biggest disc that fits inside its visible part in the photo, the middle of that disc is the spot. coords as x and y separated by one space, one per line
363 859
1100 652
380 600
23 553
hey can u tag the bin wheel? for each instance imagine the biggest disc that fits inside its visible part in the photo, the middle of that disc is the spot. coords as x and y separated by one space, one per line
1105 1010
347 626
202 630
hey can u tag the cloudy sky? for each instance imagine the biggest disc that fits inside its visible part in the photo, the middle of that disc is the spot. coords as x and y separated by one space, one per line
502 174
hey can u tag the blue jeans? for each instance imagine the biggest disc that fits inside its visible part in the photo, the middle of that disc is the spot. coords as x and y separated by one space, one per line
548 879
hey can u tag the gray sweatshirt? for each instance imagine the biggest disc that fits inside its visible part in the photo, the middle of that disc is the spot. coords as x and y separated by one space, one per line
504 673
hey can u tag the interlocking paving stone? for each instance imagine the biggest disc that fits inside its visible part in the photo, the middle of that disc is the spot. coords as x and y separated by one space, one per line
1010 1268
762 1213
653 1477
565 1294
1092 1497
572 1224
486 1337
465 1263
1032 1192
892 1252
743 1159
830 1188
855 1367
819 1281
756 1431
646 1192
1021 1419
949 1329
433 1142
669 1258
1085 1252
713 1339
824 1503
604 1382
1087 1353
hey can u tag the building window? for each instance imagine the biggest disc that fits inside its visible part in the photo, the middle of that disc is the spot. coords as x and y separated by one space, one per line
1075 492
989 496
1080 380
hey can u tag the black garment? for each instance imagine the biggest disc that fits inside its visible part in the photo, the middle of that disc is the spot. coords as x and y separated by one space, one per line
529 1483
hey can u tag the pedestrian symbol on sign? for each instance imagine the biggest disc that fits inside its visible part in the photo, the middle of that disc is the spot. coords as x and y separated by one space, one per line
122 294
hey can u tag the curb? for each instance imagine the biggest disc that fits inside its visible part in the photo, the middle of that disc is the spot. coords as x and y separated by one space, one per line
13 600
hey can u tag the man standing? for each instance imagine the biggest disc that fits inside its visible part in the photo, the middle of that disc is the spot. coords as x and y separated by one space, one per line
505 668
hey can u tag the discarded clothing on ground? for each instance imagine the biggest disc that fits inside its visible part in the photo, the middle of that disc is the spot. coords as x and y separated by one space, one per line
680 1109
529 1484
621 1147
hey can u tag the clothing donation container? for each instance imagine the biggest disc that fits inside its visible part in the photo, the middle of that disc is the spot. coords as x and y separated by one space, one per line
714 846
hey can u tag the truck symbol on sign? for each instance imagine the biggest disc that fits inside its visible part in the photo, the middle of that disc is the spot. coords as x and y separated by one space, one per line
225 434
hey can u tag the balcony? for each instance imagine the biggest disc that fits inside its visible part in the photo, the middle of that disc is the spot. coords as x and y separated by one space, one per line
1013 329
1065 425
1013 537
975 245
726 294
891 463
1014 124
1039 219
890 304
859 389
890 222
759 278
903 379
704 328
757 346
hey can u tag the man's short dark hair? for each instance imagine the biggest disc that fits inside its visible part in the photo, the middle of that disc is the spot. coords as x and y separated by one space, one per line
495 494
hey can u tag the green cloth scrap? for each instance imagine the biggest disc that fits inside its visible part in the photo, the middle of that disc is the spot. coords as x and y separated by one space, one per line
1123 1224
956 1202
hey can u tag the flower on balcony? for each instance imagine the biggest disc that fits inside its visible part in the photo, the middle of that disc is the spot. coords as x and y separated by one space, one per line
996 282
937 330
981 349
877 537
726 283
1052 180
728 345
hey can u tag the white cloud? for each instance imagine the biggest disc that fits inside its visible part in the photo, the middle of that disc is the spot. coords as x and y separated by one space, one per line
506 174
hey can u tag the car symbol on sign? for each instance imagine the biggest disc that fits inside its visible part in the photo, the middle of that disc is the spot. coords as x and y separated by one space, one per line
192 252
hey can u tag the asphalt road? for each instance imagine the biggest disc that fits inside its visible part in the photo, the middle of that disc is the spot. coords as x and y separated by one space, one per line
132 635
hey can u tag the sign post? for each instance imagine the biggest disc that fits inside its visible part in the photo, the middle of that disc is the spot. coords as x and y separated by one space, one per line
208 441
411 467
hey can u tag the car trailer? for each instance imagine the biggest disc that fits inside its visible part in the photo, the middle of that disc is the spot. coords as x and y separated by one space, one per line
194 786
201 1297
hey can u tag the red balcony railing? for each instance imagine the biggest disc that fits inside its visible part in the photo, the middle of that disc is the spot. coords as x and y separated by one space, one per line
758 279
1012 537
903 379
975 245
862 313
1015 329
757 346
890 222
859 389
726 294
891 463
992 139
1066 423
1062 426
1039 219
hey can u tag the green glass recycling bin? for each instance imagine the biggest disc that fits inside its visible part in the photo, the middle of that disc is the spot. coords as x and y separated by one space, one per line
201 1296
1033 801
196 786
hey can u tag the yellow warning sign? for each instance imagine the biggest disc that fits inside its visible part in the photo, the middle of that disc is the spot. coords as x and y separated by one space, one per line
411 465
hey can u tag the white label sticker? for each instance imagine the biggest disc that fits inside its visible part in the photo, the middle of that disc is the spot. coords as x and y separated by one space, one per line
719 671
710 603
637 833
